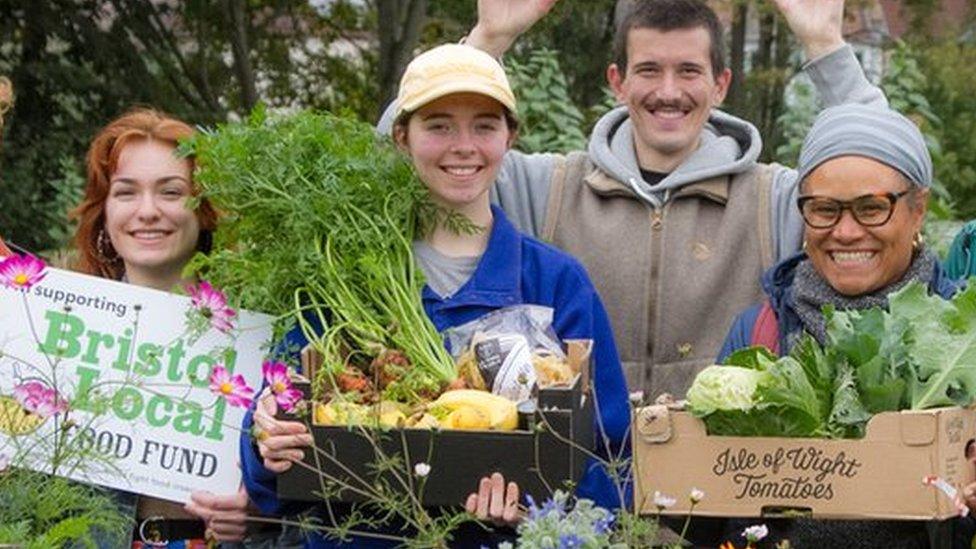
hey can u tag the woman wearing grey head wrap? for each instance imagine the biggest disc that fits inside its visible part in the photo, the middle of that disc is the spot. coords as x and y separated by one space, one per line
864 176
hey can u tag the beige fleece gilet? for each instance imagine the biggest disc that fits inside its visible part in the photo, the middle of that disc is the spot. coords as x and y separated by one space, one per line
673 279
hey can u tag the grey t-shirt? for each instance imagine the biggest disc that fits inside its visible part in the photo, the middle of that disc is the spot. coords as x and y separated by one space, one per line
445 274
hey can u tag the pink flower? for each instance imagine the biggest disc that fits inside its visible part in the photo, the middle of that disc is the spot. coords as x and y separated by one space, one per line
20 272
212 305
233 388
39 399
277 378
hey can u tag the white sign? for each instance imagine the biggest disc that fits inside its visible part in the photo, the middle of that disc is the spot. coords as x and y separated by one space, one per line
141 416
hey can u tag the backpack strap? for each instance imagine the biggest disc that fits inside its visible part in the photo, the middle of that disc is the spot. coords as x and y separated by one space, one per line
765 330
765 174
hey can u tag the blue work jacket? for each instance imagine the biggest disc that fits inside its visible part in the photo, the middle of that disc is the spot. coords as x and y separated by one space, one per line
515 269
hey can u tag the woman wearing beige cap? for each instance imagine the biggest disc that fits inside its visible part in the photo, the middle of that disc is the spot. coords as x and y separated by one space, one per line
455 120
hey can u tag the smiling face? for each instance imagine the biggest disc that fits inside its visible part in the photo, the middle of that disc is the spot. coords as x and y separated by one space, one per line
669 89
146 216
855 259
456 144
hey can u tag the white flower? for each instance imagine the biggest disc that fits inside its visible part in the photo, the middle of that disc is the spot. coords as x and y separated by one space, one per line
662 501
636 398
696 495
755 533
421 469
4 462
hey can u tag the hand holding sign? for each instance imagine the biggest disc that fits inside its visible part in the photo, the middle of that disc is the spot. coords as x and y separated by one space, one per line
138 373
225 515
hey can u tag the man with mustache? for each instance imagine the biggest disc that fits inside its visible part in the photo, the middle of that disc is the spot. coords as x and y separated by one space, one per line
668 208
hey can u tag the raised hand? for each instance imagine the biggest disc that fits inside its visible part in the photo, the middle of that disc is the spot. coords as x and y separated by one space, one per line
817 24
500 22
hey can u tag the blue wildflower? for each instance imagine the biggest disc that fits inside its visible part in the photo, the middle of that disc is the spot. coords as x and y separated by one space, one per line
602 526
552 506
570 541
534 512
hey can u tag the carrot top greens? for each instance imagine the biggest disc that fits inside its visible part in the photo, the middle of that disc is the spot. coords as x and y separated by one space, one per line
318 218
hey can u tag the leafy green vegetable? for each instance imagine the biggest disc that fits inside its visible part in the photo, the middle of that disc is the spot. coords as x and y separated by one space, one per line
942 346
319 218
864 337
794 399
724 388
782 399
848 416
920 353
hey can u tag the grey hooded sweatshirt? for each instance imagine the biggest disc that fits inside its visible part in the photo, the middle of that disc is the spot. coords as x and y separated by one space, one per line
729 146
674 262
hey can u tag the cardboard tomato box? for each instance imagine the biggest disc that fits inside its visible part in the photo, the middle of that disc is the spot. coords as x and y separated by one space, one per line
537 459
877 477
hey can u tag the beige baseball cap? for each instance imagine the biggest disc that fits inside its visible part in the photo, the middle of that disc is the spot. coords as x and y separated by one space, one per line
452 68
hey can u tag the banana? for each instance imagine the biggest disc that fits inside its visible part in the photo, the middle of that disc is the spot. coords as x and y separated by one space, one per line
498 413
468 418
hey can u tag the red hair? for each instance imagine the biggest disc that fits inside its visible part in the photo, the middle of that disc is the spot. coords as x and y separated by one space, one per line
102 160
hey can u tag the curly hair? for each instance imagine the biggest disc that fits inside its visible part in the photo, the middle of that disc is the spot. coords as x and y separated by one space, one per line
102 160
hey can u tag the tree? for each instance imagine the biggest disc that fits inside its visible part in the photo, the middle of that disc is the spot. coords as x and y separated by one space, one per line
737 53
79 63
238 22
399 23
759 80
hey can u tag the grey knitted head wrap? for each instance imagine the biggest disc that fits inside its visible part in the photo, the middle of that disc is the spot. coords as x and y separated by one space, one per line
879 133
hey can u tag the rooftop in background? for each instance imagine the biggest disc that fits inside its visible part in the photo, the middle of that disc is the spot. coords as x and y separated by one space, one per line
873 21
952 15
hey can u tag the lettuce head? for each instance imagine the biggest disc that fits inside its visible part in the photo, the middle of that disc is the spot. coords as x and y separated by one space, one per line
724 388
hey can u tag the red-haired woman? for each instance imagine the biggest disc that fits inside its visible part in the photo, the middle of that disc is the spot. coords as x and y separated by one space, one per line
135 225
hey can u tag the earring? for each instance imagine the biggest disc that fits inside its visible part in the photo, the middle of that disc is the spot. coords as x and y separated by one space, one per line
918 242
104 249
804 246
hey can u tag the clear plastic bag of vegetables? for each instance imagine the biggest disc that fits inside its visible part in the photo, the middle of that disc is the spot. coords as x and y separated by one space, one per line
510 352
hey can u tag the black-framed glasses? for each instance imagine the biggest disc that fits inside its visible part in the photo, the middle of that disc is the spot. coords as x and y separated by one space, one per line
870 210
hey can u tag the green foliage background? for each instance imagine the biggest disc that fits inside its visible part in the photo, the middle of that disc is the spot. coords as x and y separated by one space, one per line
38 511
76 64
